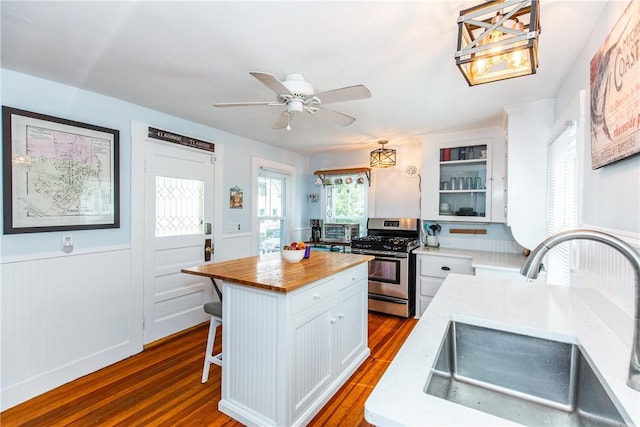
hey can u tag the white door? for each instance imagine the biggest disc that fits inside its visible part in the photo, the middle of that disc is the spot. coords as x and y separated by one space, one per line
178 222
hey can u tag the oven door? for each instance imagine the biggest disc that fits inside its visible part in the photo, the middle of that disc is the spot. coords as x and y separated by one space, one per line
388 275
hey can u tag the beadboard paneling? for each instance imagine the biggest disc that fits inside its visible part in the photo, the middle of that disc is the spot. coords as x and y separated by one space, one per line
605 279
63 317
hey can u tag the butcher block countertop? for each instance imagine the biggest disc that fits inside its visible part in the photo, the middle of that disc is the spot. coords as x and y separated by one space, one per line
272 272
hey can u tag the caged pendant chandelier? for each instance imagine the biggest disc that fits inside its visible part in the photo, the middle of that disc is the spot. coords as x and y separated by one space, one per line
498 40
382 157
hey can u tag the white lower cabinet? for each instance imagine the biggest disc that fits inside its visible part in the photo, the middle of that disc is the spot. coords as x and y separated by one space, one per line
431 272
286 354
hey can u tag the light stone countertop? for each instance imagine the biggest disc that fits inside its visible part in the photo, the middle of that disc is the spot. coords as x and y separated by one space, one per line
545 311
480 259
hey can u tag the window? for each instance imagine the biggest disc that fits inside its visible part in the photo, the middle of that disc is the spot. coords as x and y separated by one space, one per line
562 201
272 209
346 201
179 206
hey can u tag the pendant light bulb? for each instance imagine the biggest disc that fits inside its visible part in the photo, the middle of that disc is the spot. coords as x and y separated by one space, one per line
289 121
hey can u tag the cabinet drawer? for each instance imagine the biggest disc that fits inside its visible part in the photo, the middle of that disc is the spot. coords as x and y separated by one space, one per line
429 286
438 266
313 295
351 276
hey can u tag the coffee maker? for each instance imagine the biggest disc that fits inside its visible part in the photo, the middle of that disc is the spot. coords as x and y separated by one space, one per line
316 229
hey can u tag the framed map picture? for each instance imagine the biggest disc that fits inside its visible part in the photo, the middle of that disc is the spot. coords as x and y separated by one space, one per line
615 92
58 174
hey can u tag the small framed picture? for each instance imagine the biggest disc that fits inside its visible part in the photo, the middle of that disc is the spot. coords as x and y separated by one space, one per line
235 198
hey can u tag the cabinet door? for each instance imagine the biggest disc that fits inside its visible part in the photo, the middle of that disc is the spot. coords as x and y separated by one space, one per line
351 323
423 303
465 182
312 358
459 174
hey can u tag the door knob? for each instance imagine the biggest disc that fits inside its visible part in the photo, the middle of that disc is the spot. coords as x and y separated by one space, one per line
208 249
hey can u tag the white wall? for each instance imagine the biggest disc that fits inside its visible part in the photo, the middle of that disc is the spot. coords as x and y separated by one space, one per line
609 196
393 192
64 315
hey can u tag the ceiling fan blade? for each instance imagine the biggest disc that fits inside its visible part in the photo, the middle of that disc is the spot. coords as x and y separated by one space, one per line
344 94
247 104
272 82
334 116
282 121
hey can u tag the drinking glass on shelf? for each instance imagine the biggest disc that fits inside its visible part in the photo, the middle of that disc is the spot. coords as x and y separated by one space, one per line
454 183
477 183
470 184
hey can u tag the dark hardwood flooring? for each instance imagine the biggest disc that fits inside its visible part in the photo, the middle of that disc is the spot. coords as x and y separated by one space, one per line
161 387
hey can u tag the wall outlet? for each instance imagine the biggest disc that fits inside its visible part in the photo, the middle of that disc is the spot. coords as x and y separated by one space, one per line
233 227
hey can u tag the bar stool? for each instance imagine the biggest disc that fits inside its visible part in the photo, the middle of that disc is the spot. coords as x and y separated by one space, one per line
214 309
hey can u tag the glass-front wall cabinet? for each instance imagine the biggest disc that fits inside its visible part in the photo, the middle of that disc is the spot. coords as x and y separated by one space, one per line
464 176
463 182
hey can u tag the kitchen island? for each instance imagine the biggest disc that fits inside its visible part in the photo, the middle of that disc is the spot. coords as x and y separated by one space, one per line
546 311
292 334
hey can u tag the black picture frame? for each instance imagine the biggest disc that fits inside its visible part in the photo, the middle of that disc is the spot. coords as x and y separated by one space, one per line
58 174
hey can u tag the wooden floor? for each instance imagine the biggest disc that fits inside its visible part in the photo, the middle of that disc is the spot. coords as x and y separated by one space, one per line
161 387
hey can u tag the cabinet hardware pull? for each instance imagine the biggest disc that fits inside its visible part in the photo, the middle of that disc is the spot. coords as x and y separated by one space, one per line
445 268
316 296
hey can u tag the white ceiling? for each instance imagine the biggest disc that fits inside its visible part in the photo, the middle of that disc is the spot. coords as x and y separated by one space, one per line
181 57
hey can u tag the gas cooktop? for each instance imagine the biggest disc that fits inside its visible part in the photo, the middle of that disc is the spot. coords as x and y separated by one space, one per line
385 243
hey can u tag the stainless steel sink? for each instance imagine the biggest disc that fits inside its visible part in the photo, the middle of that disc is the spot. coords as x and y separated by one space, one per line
528 380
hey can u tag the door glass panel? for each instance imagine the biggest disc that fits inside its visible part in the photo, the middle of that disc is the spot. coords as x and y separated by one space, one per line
179 206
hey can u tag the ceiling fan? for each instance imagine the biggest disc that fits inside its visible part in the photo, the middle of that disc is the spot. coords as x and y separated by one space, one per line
296 94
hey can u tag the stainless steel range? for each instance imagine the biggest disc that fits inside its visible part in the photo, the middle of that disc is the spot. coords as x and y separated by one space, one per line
392 274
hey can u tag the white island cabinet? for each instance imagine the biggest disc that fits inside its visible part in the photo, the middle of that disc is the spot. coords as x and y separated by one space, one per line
292 333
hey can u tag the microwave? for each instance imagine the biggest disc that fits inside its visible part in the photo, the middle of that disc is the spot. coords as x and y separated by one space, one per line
341 233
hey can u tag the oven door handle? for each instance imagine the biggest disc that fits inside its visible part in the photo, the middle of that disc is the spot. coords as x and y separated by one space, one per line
389 258
387 298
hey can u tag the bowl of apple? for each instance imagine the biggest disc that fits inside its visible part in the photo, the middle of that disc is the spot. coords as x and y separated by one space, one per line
294 251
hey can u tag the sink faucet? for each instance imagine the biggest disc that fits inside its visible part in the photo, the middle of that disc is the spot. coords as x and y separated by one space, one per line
531 268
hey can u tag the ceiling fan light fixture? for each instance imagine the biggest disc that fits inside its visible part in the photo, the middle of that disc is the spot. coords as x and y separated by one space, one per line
382 157
498 40
295 106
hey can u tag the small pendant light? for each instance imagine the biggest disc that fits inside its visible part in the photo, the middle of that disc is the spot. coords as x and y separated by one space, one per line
383 157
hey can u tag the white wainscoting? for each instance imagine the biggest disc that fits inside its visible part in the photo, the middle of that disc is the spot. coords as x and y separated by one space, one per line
65 316
234 246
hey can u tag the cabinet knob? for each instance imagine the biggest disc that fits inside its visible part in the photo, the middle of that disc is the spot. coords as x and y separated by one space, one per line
340 316
445 268
333 321
316 296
